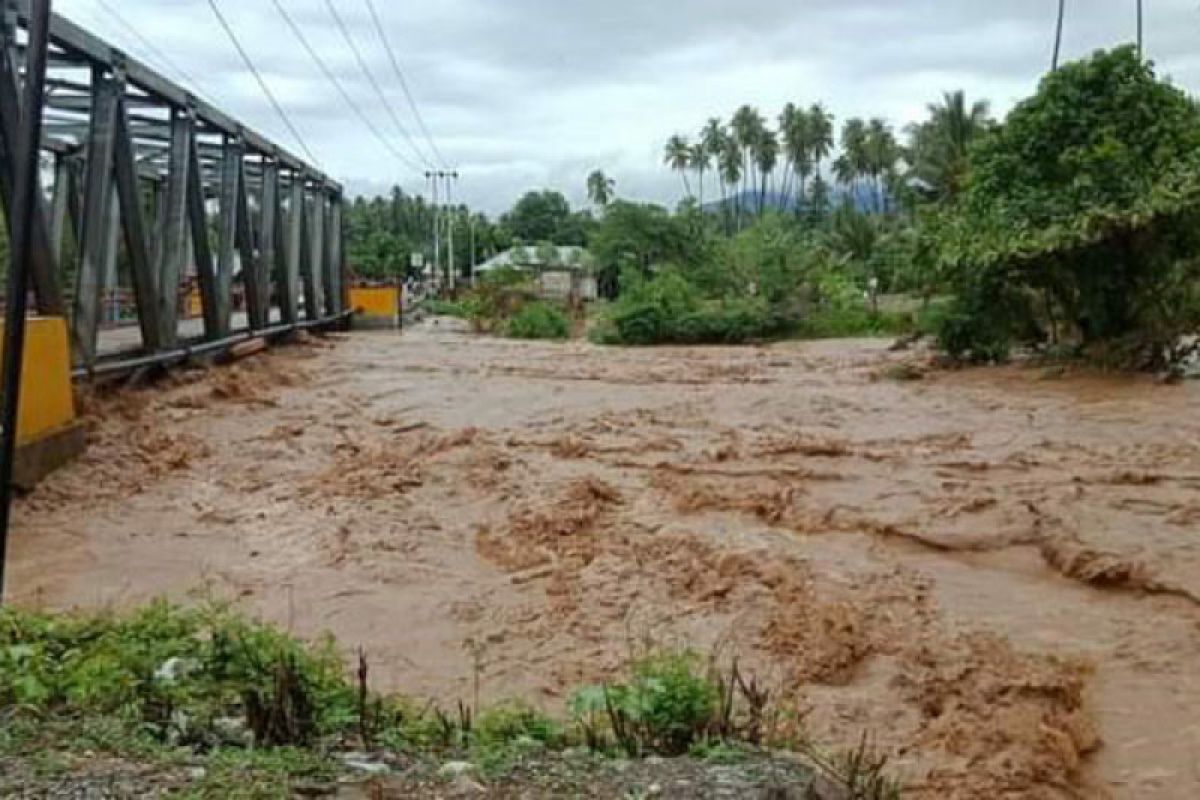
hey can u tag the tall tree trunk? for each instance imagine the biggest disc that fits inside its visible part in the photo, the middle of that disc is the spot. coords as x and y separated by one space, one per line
1140 29
1062 7
700 172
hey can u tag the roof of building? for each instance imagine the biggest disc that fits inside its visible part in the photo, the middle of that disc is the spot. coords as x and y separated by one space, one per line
531 257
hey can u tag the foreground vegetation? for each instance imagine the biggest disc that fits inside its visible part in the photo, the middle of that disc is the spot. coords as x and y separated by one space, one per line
251 711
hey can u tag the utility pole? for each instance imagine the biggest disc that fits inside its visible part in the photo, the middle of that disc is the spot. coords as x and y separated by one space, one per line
471 230
437 233
450 177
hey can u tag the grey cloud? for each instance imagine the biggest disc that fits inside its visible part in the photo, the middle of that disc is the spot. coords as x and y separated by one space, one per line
529 93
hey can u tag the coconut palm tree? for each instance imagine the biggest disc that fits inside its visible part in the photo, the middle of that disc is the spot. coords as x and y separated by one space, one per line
787 136
937 148
678 156
747 124
881 154
765 151
712 139
820 131
701 160
852 165
729 163
601 188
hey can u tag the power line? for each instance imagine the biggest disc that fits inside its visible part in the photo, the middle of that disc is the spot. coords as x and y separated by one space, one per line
262 83
341 89
362 65
412 104
149 45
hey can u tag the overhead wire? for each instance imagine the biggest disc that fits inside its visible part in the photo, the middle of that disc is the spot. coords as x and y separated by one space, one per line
261 82
412 103
151 48
332 78
370 76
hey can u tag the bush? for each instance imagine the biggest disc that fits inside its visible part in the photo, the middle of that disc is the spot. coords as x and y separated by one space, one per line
539 321
667 706
178 671
668 309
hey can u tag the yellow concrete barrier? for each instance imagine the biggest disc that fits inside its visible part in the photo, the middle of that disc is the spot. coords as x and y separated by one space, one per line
48 434
376 305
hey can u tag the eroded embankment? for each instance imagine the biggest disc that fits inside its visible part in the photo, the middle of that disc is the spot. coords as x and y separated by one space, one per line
993 574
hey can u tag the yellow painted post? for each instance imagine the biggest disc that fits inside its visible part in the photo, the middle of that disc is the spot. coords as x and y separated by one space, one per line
375 306
48 433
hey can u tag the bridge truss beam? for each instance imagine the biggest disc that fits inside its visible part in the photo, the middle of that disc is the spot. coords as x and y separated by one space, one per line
151 185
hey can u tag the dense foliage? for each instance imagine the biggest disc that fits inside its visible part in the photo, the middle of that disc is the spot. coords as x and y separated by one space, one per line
1080 219
1073 223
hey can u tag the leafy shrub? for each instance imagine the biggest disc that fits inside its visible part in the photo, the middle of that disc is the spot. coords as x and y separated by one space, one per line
177 670
539 321
667 706
668 309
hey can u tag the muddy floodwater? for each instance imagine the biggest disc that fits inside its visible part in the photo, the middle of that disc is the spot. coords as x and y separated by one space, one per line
994 572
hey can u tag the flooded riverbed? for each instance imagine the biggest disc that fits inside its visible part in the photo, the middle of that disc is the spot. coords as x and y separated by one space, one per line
996 573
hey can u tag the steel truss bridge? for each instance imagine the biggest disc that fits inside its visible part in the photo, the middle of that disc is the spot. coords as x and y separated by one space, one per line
133 169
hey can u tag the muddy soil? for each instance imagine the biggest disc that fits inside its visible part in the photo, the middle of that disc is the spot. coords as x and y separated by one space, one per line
994 572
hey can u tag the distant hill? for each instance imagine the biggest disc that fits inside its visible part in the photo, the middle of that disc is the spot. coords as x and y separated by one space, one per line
864 200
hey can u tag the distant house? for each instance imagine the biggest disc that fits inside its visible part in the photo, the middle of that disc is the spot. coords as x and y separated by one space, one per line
560 272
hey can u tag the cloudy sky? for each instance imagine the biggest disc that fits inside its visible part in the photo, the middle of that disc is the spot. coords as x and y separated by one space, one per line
522 94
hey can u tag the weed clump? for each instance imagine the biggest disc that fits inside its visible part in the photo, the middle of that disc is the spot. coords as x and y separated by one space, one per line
539 321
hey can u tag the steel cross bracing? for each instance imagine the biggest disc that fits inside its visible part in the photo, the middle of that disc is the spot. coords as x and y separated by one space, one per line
149 177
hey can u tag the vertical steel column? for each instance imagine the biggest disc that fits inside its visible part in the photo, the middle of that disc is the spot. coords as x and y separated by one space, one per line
252 279
337 254
59 206
132 217
174 253
43 272
210 293
315 266
288 302
23 202
231 177
328 278
269 235
95 226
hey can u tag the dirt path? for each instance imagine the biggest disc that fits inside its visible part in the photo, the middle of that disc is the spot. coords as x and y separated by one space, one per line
995 573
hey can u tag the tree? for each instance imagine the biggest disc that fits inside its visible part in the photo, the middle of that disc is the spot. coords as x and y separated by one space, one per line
678 156
542 217
852 165
937 148
747 126
712 139
600 188
729 162
700 161
820 124
1088 194
880 154
641 237
765 151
